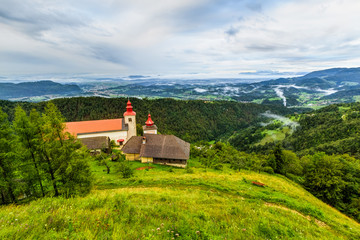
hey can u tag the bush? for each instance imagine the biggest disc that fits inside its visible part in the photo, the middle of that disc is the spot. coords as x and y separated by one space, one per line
295 178
189 170
125 170
218 166
268 169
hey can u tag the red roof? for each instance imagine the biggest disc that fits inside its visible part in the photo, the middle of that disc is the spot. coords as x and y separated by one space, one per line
107 125
129 110
149 122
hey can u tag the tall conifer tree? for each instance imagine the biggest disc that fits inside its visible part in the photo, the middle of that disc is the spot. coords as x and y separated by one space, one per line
28 137
7 160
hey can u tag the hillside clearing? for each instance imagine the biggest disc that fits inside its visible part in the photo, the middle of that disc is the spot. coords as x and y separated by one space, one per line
162 204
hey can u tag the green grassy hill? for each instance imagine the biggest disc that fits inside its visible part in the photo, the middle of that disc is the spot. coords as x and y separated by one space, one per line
160 203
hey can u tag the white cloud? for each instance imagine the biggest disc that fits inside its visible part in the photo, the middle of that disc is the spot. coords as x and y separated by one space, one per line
174 37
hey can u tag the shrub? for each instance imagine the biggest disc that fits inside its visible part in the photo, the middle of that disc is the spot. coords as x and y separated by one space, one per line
218 166
125 170
268 169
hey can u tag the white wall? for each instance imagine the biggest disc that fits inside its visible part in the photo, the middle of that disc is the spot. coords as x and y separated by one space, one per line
131 125
150 131
115 135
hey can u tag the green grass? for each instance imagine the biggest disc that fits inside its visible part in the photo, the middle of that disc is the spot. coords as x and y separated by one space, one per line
350 83
259 101
356 98
344 109
274 135
163 204
275 99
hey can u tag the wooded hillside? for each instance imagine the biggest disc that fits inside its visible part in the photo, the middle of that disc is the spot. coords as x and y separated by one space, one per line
191 120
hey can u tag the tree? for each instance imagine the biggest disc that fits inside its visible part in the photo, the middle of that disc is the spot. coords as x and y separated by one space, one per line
124 168
279 159
27 136
50 148
65 158
291 163
7 160
104 160
323 177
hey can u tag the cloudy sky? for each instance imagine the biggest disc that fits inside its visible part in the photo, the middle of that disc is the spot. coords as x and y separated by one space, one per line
176 37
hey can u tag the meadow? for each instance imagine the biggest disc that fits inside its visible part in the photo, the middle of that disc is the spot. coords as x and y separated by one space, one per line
168 203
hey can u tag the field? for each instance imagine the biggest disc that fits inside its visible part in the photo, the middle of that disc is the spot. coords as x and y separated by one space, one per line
168 203
274 135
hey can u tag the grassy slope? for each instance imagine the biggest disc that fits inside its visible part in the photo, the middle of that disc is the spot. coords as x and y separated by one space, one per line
158 204
274 135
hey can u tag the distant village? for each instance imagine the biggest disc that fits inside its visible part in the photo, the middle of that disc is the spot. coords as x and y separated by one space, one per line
149 148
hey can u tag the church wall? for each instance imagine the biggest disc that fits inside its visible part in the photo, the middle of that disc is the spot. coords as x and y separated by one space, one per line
146 159
132 156
115 135
131 121
150 131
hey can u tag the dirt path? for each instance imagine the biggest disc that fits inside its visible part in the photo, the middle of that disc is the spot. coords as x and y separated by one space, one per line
318 222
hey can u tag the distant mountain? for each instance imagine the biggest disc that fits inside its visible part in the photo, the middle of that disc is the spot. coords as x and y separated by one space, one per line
319 88
334 77
338 74
314 90
40 88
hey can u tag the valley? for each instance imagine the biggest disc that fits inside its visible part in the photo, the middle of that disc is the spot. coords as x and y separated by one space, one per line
313 90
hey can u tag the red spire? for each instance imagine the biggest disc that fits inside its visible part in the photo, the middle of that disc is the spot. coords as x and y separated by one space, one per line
149 122
129 110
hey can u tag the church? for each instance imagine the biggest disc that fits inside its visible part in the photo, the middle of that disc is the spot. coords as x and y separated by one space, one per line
120 130
149 148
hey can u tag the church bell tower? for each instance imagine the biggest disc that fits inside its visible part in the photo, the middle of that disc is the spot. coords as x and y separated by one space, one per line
130 120
150 127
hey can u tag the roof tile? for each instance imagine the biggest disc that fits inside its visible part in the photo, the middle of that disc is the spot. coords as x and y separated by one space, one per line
107 125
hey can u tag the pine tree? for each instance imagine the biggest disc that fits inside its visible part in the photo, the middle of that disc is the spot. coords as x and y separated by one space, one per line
66 159
29 145
279 159
7 160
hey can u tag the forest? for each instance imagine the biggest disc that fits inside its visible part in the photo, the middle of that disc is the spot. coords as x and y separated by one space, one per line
333 129
38 158
191 120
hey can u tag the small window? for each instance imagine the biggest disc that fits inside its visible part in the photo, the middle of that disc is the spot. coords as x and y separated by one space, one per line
130 119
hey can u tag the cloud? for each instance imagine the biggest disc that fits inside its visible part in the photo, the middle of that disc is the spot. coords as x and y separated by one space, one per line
232 31
255 6
286 121
219 37
34 17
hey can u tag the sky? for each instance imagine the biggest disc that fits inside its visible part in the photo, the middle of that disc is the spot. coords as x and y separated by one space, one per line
198 38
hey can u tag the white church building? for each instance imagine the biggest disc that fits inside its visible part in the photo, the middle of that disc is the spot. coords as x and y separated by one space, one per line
120 130
149 148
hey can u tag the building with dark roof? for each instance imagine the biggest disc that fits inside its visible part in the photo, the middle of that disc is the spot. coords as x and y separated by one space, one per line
97 144
160 149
